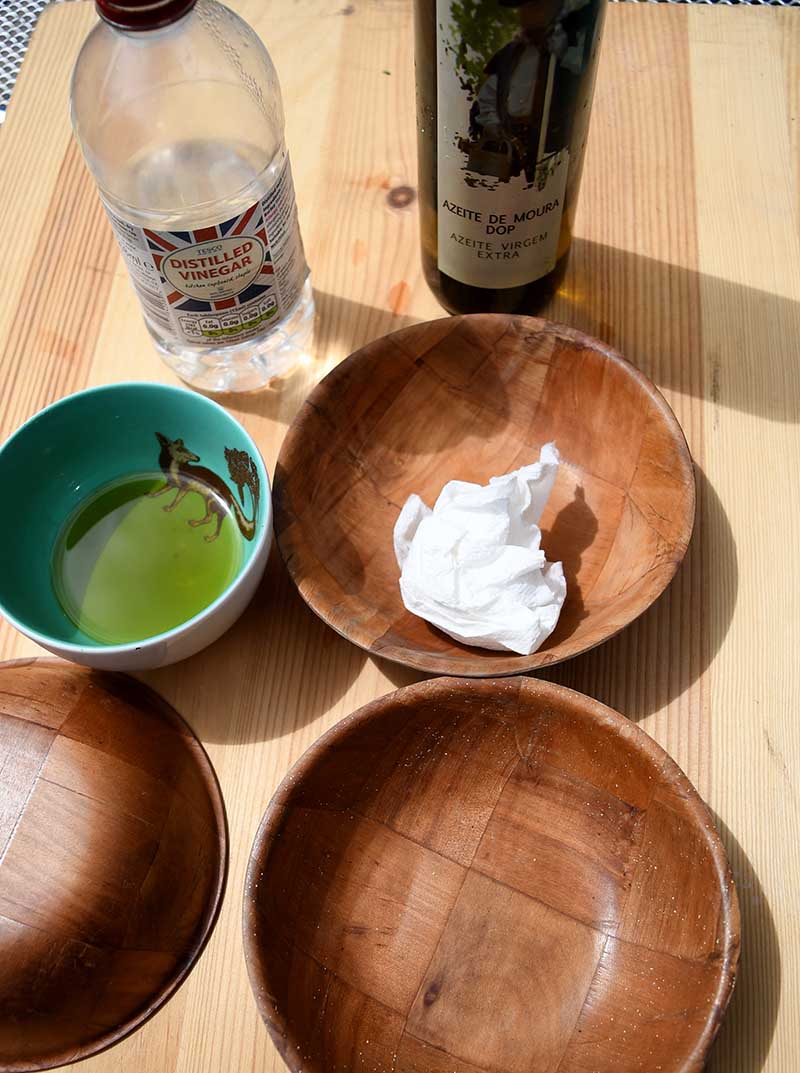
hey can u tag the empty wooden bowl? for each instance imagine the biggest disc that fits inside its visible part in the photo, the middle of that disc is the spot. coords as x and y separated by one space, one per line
113 854
469 398
499 875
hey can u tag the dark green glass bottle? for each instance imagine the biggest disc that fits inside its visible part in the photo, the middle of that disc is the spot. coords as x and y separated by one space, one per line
504 92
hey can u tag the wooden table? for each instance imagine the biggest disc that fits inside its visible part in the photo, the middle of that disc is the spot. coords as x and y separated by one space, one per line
687 259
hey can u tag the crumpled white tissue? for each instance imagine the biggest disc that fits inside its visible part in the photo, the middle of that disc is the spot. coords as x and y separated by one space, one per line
473 566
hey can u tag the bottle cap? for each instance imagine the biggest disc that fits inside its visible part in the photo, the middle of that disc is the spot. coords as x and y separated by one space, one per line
142 14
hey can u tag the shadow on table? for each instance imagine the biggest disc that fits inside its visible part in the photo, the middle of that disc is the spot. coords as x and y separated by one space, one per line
652 312
292 668
655 313
746 1035
666 650
398 675
341 326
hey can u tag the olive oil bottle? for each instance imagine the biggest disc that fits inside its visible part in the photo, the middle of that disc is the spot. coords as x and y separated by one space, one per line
504 92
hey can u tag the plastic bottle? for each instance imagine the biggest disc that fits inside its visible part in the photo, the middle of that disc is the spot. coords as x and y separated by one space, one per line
177 109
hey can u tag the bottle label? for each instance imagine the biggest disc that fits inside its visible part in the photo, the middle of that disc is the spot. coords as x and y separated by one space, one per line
224 283
510 76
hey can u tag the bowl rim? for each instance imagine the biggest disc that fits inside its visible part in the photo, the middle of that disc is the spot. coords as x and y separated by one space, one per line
469 664
155 641
208 923
630 734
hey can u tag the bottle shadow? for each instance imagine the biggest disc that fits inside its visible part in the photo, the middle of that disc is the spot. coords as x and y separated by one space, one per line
745 1037
667 319
341 326
445 384
751 377
446 369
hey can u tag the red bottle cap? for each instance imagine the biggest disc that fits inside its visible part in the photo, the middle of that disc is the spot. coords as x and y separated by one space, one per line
142 14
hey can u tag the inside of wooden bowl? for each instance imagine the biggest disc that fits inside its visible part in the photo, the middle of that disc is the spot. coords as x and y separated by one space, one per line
113 854
469 398
498 875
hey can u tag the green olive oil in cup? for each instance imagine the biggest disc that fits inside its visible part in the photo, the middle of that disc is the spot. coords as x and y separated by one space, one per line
137 558
142 525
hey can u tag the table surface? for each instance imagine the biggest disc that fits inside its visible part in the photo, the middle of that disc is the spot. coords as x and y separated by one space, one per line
686 258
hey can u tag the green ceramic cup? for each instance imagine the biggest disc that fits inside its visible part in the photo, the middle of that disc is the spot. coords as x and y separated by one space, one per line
67 451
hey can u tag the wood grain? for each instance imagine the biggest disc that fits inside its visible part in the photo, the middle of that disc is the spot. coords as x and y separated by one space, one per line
466 399
685 259
113 855
513 947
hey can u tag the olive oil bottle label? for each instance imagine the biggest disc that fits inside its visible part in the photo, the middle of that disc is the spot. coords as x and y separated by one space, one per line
508 76
221 283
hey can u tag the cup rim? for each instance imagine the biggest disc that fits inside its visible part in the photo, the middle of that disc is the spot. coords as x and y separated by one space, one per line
157 639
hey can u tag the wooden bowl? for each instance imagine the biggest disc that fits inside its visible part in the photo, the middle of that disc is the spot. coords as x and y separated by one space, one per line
113 856
469 398
500 875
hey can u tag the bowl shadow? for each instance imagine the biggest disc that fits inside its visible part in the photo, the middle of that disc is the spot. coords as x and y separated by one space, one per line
661 655
294 669
745 1037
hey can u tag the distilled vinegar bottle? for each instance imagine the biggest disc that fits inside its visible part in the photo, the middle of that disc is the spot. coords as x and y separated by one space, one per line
177 109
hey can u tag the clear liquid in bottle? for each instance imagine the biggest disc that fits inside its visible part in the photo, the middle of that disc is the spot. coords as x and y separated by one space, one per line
182 127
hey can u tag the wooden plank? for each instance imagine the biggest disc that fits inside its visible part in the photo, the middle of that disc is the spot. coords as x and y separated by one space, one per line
749 265
686 258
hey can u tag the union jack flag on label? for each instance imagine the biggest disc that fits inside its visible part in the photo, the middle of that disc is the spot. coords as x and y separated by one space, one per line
222 283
